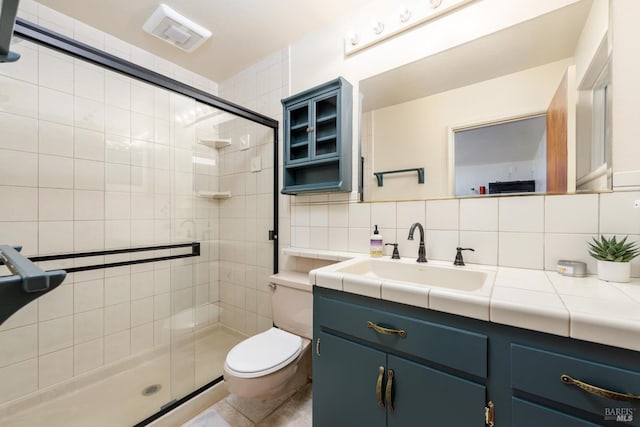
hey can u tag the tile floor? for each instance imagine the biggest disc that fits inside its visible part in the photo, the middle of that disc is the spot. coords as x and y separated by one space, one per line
294 412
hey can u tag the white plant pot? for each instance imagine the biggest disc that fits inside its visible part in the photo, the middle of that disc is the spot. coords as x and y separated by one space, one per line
614 271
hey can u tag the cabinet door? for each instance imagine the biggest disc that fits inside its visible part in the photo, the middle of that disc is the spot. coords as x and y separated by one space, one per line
423 396
298 132
345 376
326 125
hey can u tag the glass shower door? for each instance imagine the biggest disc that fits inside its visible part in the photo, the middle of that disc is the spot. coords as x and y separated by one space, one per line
93 161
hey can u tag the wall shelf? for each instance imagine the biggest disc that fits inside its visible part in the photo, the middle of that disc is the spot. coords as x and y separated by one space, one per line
327 255
214 194
215 142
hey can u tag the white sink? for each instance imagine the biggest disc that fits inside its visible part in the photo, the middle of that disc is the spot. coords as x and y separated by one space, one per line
429 274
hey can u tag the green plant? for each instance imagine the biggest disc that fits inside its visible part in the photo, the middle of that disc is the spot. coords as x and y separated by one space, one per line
612 250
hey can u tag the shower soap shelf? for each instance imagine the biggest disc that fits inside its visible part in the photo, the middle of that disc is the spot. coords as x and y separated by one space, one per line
215 142
215 194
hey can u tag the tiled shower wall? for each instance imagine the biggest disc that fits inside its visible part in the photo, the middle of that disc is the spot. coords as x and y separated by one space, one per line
246 264
91 160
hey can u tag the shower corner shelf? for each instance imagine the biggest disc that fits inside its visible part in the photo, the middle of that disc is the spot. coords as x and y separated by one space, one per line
215 142
214 194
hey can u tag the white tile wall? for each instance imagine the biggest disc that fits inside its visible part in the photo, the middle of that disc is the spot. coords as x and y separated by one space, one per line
442 214
572 214
524 214
479 214
618 214
532 232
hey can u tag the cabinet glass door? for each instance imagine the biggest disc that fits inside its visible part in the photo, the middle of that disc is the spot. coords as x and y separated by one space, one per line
326 125
347 394
299 131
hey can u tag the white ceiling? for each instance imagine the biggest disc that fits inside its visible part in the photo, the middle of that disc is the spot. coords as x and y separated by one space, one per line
244 31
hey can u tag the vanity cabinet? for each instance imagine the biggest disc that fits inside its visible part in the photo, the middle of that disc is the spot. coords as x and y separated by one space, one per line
379 368
317 139
447 368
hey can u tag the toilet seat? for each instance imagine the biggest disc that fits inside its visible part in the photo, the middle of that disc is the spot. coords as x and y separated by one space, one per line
263 354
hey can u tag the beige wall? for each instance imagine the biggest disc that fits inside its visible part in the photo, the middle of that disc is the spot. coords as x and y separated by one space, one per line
625 69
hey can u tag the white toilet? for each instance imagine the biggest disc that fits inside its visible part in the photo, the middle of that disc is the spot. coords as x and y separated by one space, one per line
277 360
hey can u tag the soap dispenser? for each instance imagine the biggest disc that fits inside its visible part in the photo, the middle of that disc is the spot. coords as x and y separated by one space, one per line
376 246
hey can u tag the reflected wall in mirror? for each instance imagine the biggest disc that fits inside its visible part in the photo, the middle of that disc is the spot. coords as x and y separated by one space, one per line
506 157
409 113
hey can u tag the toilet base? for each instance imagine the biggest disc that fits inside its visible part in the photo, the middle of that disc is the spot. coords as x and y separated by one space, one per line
257 408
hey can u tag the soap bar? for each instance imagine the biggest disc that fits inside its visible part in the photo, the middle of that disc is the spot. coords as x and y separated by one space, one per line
572 268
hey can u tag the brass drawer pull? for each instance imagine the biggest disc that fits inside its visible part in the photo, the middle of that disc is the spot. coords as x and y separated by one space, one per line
389 390
607 394
379 386
386 331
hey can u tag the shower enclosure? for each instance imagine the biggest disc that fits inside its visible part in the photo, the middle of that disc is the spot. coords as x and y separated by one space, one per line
98 154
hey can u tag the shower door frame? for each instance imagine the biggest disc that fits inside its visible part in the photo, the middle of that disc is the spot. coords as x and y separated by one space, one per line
45 37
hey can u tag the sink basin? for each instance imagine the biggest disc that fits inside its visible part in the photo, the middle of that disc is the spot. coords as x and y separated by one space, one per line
431 275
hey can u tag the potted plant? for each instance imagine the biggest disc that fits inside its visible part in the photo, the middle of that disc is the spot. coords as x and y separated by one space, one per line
613 258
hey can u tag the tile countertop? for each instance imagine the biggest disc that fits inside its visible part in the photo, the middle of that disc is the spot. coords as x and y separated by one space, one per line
583 308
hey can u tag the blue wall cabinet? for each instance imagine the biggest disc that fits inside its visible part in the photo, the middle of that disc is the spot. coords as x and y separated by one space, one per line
317 139
379 363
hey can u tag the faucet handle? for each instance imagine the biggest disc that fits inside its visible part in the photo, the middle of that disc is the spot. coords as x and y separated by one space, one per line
396 254
459 260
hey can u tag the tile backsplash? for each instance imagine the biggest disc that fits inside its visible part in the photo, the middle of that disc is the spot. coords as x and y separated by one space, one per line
532 232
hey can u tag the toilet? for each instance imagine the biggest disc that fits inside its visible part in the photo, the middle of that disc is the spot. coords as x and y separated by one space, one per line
276 361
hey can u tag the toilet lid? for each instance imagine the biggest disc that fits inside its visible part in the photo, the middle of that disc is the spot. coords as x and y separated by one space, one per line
263 354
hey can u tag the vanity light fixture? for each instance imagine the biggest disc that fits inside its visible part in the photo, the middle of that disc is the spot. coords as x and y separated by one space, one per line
377 26
405 14
401 19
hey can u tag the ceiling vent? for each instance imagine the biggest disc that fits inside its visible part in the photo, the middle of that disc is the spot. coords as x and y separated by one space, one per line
173 28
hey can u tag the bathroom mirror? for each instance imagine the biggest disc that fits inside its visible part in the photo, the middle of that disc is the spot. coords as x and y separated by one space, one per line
410 114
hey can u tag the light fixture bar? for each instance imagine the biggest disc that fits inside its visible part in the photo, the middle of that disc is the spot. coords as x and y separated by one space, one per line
363 38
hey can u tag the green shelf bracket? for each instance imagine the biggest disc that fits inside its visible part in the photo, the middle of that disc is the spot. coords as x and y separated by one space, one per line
380 175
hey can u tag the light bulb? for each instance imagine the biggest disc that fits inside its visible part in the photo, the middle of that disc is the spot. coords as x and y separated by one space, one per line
377 26
404 14
353 38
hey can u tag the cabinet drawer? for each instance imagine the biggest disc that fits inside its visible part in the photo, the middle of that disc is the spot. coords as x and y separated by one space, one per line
455 348
527 414
538 372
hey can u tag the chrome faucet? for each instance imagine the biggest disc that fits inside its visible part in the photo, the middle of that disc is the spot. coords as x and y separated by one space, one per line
422 253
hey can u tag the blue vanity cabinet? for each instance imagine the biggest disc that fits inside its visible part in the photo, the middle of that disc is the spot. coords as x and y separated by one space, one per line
346 395
587 384
317 139
368 377
447 368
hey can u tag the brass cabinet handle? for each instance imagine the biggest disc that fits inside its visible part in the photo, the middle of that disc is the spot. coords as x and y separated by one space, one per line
607 394
379 386
389 390
489 414
386 331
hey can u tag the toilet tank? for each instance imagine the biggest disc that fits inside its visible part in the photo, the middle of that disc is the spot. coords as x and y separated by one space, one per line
292 303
